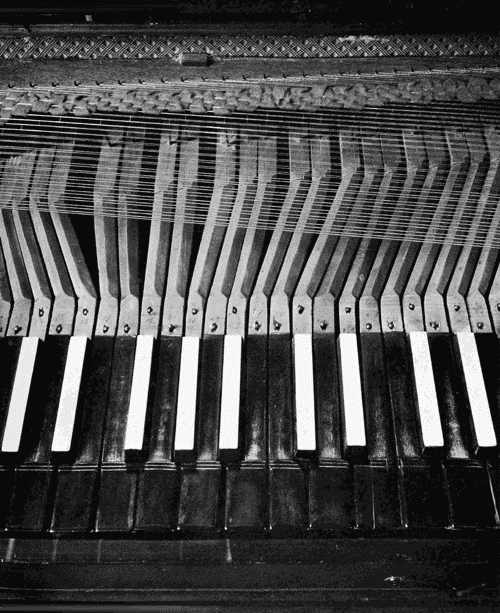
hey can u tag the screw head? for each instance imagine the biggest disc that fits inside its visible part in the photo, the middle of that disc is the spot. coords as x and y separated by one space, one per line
277 325
126 328
323 324
59 329
234 310
348 309
480 325
368 326
17 329
85 312
194 311
149 310
456 307
41 312
390 325
411 306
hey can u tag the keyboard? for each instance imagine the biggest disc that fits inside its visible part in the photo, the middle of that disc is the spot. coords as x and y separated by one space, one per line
211 329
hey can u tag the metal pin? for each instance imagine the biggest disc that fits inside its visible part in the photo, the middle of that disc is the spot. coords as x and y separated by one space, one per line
456 307
300 308
105 329
41 312
59 329
277 325
149 310
85 312
256 325
480 325
126 328
434 325
348 309
194 310
171 327
390 325
323 324
234 310
17 329
368 326
213 327
411 306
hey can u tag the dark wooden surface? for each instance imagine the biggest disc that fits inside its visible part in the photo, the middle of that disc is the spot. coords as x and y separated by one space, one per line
351 16
338 573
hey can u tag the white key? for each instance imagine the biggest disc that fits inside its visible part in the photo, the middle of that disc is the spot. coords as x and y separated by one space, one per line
70 390
230 395
186 396
19 395
428 408
304 392
136 418
352 399
474 383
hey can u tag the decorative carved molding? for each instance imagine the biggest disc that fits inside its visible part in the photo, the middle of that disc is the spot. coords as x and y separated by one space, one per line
221 98
145 45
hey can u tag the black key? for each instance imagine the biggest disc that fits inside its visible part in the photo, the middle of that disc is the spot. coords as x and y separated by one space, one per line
327 398
9 352
246 500
468 481
376 497
199 499
117 481
158 487
157 499
488 347
209 395
451 396
426 503
331 497
471 497
331 493
116 502
377 500
30 502
77 474
200 484
423 480
288 506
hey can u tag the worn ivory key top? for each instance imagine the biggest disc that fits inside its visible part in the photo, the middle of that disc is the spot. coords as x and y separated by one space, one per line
19 395
428 410
304 392
70 389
